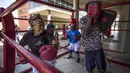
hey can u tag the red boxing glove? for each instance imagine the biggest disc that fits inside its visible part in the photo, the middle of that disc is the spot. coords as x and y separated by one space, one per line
76 37
93 8
48 52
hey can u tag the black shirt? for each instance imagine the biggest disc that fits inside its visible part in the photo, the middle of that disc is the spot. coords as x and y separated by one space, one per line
36 42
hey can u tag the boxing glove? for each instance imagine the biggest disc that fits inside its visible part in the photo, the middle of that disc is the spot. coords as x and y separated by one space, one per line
48 52
93 9
76 37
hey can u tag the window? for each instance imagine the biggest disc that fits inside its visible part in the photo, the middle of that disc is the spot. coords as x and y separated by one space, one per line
23 10
45 0
58 0
31 5
34 5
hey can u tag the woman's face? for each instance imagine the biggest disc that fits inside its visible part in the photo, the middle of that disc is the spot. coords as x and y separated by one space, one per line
72 27
38 27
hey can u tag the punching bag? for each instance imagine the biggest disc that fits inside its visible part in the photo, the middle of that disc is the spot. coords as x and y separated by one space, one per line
106 19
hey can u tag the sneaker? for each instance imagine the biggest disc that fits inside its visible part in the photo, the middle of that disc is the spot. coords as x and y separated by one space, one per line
69 57
78 60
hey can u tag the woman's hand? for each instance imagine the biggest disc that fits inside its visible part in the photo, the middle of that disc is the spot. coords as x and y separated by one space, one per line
87 27
55 43
22 60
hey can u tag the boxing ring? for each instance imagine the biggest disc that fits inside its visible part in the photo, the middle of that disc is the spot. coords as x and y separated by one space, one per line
10 46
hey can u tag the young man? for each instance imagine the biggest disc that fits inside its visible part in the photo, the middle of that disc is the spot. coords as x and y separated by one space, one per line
74 38
91 42
50 28
37 37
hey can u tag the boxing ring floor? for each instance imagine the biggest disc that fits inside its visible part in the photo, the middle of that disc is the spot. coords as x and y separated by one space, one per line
71 66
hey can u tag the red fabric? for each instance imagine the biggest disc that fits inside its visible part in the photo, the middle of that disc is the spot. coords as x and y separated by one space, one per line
76 37
74 21
108 33
63 29
48 52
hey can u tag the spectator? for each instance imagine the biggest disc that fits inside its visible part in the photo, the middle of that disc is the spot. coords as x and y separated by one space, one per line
51 29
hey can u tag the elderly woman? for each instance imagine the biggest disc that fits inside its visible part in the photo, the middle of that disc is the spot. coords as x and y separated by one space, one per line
37 37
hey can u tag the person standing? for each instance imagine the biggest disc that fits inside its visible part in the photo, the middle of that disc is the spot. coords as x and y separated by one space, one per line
34 39
51 29
74 38
91 42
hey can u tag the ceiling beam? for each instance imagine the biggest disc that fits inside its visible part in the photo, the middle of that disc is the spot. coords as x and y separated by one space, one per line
116 4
